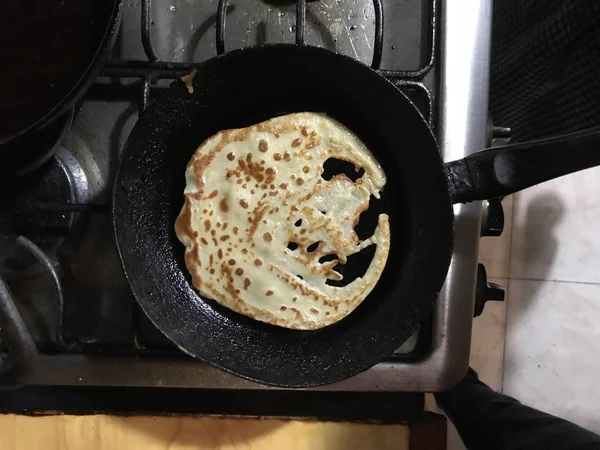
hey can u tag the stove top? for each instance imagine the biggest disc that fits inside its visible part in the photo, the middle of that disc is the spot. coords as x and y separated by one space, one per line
89 330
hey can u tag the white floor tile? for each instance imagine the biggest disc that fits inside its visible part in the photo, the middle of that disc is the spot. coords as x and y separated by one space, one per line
552 357
494 252
555 234
487 342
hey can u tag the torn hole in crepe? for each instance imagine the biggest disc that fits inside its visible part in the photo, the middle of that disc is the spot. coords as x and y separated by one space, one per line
334 166
356 266
327 258
369 218
312 247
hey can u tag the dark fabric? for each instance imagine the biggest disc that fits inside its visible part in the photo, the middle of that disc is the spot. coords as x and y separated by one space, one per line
487 420
545 69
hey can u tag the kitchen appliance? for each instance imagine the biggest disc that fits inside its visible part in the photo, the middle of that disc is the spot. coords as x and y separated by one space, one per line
92 337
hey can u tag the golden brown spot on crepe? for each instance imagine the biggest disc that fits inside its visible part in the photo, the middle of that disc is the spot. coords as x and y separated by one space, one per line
287 156
235 230
223 205
231 262
257 262
283 308
299 181
204 241
239 271
230 156
247 283
267 237
277 156
199 165
258 214
269 293
314 310
244 204
224 238
207 225
245 251
263 146
213 194
296 142
312 144
304 131
220 254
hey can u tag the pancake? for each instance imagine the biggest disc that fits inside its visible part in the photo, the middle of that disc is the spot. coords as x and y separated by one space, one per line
258 217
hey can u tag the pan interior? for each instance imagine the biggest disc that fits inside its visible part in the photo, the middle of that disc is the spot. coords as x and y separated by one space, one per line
246 87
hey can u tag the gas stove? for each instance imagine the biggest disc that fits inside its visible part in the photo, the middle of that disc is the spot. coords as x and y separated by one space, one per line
86 324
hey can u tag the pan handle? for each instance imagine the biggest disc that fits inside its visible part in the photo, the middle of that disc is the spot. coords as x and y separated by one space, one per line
500 171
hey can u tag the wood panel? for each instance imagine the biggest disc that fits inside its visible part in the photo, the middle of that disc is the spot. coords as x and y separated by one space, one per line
174 433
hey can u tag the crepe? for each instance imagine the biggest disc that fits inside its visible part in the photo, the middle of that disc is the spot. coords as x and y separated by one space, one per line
258 217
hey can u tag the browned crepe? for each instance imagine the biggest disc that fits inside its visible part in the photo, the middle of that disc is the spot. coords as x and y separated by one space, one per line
258 217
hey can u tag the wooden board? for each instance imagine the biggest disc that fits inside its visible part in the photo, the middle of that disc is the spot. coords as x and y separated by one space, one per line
160 433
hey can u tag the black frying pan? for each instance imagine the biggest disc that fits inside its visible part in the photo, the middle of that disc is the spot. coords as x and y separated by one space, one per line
248 86
51 52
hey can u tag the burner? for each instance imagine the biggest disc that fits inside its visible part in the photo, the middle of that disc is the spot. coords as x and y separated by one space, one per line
36 206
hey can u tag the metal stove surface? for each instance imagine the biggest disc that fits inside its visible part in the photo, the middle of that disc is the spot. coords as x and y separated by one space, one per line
438 53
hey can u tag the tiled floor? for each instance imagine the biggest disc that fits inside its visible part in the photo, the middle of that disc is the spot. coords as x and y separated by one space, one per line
542 345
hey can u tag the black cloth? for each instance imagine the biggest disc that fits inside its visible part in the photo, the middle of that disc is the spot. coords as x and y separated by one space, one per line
545 67
487 420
